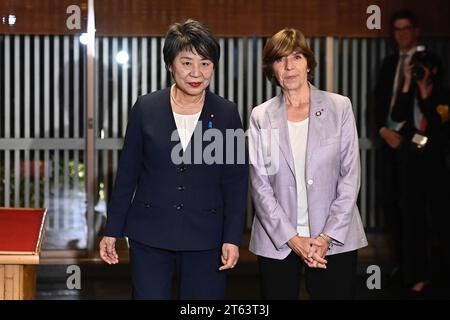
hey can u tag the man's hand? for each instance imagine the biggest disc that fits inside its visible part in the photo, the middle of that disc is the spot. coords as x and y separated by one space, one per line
108 251
301 246
230 256
392 138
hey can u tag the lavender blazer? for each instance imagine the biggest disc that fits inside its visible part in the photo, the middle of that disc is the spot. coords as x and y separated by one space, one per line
332 176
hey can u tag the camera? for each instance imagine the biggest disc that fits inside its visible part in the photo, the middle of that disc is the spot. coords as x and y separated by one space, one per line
420 60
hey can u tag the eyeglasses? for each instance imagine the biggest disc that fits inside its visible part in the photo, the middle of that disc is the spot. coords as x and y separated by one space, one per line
406 28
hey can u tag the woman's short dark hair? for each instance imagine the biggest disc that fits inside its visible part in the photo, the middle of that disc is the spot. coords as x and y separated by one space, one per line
282 44
190 35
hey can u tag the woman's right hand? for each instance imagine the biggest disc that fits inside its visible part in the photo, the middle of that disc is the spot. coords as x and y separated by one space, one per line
108 251
392 138
301 246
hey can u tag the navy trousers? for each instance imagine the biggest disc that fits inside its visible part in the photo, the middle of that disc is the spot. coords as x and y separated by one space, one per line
197 272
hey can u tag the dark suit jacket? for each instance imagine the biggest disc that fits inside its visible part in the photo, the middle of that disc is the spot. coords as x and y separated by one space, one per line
383 97
436 129
176 206
383 91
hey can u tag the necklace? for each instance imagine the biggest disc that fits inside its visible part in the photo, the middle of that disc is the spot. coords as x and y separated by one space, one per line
184 107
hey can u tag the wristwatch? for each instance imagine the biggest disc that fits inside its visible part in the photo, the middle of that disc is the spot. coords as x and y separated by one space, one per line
327 239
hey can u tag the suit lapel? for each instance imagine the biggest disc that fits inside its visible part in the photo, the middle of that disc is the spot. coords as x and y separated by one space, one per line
317 114
167 119
196 144
205 115
278 120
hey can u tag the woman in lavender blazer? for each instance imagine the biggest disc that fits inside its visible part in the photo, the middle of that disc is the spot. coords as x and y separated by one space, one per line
305 179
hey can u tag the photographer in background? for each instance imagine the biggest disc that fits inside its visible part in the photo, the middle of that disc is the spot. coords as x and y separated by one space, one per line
409 173
422 108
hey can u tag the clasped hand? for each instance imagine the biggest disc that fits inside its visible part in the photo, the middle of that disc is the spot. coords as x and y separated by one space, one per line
311 250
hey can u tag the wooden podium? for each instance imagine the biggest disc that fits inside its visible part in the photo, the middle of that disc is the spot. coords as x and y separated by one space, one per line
21 235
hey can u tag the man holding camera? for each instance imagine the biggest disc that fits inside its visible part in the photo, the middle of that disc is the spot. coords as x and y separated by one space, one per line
411 121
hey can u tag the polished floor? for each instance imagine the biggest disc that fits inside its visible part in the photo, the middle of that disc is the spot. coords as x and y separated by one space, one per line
100 281
67 231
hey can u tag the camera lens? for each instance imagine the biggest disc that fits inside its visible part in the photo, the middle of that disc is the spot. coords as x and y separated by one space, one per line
417 73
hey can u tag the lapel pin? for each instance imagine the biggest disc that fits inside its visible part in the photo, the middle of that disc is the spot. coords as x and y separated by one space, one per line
210 124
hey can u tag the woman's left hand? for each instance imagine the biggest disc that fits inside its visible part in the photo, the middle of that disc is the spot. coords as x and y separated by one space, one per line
318 250
230 256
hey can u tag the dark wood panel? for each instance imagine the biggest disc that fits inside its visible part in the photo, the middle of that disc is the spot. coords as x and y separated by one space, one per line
225 17
264 17
40 16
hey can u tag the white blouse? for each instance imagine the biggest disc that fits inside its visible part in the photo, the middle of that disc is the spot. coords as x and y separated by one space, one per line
186 124
298 135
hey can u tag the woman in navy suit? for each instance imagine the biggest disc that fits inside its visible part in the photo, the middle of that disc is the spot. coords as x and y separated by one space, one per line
181 205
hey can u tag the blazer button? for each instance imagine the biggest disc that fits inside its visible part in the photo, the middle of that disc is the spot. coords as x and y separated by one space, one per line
310 182
179 206
181 188
147 204
182 169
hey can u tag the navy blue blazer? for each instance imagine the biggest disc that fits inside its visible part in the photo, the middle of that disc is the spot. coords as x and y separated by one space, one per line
184 206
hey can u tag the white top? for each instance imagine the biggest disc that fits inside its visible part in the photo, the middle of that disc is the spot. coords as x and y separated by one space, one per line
186 124
298 135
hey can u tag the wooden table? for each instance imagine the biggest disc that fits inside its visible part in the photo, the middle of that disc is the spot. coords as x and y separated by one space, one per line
21 236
